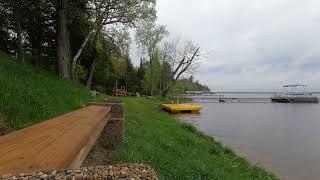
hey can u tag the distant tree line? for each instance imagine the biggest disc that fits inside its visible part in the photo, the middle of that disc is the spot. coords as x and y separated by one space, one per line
188 84
89 41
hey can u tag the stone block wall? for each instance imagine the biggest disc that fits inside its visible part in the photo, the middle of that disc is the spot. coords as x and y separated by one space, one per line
112 134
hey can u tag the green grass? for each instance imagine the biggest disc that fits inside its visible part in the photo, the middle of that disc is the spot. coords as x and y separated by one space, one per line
177 150
29 96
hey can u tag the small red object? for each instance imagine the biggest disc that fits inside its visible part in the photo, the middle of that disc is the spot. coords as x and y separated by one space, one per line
119 92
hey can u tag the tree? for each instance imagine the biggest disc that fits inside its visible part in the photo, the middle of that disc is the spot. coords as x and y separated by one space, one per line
80 31
115 12
132 79
183 57
165 76
5 41
19 33
39 31
14 10
63 50
141 73
153 73
148 36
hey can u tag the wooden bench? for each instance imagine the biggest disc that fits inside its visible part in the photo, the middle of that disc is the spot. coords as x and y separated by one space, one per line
59 143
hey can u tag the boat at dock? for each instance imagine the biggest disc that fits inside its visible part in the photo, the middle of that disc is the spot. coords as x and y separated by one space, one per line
294 94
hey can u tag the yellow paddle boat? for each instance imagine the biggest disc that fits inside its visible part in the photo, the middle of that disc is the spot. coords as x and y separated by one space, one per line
181 108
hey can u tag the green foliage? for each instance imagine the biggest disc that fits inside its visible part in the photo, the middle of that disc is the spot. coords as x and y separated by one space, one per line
121 38
37 20
129 12
80 72
149 35
29 95
38 27
188 85
153 74
176 150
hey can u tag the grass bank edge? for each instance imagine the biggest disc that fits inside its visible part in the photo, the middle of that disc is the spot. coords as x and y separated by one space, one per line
163 139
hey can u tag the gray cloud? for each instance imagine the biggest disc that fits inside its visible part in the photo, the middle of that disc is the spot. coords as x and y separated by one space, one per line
252 44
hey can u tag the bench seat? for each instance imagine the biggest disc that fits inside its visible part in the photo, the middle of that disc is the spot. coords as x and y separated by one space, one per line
59 143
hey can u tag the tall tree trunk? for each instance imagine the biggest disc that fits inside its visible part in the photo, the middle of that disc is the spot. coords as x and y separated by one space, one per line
19 36
75 58
68 49
35 57
91 72
94 61
152 73
167 89
62 40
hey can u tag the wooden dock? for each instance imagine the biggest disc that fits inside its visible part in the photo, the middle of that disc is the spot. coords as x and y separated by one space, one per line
59 143
226 99
181 108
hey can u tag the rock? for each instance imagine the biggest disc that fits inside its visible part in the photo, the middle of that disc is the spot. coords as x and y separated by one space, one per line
95 176
44 176
77 171
79 176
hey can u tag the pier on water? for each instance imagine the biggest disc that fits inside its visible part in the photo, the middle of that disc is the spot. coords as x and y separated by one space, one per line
223 99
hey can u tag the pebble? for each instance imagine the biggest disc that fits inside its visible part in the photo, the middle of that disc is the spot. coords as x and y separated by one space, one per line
44 176
124 171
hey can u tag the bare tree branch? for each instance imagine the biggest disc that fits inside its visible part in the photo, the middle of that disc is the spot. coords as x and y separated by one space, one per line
182 57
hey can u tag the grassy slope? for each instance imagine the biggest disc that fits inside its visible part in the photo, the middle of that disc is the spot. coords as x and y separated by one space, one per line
29 96
176 150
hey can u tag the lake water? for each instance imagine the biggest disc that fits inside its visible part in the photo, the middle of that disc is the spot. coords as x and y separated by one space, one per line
283 138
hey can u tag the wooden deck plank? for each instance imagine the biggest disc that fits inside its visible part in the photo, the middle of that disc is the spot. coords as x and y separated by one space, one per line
54 144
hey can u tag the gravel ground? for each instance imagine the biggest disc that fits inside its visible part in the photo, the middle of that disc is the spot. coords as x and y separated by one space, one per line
123 172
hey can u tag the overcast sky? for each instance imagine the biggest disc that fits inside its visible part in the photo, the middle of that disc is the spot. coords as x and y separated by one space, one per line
252 45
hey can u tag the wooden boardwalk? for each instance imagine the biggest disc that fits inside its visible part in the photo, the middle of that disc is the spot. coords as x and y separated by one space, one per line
59 143
217 98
